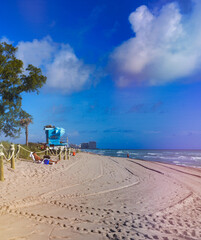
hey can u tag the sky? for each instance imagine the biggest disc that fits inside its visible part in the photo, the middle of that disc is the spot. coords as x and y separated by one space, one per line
126 74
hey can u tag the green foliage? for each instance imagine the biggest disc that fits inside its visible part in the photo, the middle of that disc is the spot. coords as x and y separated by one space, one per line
13 82
24 155
33 147
6 144
24 122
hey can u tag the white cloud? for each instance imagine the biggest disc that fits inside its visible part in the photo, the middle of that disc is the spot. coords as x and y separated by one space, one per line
5 39
37 52
68 72
65 72
166 47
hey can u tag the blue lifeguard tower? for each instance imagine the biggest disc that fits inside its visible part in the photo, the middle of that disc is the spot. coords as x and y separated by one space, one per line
53 136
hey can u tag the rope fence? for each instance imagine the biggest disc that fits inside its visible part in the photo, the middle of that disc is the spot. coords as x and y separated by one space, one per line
13 153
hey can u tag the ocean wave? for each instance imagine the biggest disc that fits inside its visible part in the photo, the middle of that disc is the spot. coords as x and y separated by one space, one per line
120 152
173 157
176 162
150 157
166 157
134 153
154 154
183 164
196 158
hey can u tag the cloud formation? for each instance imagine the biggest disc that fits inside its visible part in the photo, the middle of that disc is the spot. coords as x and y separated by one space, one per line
64 70
38 52
166 46
68 72
5 39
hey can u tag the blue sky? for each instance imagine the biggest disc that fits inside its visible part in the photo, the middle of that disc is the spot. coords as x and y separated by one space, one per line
125 74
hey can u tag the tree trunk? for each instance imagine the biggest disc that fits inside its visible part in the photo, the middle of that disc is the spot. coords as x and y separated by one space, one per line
26 132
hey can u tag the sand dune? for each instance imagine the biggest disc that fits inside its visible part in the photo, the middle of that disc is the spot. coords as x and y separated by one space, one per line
97 197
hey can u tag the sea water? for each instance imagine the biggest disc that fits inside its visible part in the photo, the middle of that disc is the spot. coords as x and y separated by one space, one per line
190 158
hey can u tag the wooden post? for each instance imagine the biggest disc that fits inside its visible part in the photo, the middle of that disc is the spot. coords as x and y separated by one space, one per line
18 150
13 157
60 153
1 163
67 148
64 153
68 153
47 151
9 152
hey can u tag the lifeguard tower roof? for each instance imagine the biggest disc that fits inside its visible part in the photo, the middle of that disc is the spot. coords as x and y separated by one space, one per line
53 136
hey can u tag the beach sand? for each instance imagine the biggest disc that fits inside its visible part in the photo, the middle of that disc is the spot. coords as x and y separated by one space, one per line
99 197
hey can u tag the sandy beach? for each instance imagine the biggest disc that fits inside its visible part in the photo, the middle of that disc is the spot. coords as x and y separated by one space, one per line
99 197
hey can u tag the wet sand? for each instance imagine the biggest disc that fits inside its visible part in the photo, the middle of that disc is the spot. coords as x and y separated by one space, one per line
99 197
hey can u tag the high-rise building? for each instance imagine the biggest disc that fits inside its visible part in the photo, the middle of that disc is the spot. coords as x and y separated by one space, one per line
92 145
84 145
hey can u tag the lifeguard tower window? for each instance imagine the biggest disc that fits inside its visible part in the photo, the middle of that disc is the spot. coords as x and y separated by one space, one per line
53 136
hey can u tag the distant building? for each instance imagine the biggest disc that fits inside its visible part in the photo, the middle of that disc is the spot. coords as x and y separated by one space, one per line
84 145
90 145
75 146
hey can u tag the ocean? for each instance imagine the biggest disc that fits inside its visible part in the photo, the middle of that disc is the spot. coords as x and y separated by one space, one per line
190 158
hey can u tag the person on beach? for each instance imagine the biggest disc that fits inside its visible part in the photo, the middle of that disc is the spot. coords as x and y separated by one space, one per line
38 159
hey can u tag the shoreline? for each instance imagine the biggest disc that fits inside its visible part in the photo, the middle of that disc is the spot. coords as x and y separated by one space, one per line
93 196
161 159
149 161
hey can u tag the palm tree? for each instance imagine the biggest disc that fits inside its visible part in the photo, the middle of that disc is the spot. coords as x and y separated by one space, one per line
24 122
